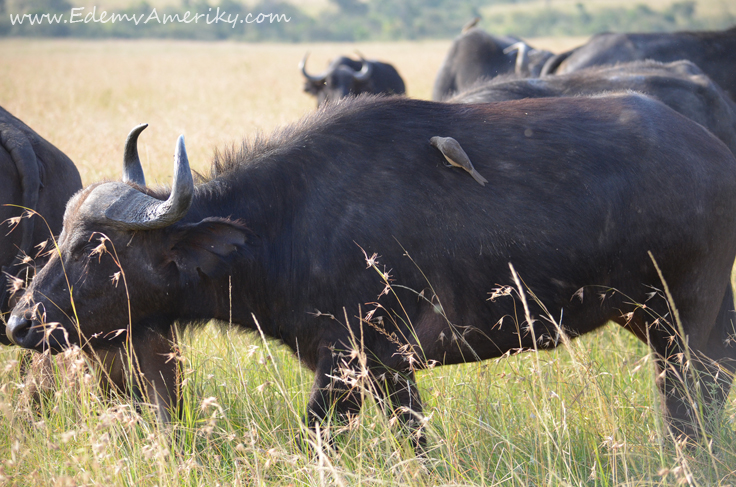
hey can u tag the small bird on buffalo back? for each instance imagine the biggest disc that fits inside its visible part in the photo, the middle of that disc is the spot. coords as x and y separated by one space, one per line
456 156
470 24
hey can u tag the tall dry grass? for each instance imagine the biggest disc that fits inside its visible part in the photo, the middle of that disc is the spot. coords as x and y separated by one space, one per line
585 414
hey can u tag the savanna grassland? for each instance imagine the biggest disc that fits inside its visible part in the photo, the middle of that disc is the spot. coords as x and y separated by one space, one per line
587 413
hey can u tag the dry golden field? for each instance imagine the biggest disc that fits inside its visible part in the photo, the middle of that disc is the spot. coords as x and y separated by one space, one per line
85 96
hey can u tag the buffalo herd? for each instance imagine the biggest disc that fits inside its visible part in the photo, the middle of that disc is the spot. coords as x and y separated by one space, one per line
603 179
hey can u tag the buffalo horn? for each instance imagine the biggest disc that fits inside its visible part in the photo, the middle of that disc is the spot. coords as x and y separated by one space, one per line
138 211
522 56
365 71
132 170
310 77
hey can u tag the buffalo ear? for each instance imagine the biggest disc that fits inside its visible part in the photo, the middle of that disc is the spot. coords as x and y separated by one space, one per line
208 247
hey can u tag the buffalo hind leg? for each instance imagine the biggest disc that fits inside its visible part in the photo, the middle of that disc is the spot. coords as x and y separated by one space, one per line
673 378
399 390
717 361
694 396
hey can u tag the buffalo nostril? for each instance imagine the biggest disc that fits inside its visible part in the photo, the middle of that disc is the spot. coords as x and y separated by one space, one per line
18 329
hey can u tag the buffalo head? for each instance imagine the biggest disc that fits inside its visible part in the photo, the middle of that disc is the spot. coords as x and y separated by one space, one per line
104 225
46 317
128 257
344 76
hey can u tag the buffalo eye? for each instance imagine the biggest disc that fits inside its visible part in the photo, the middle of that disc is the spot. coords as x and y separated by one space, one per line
80 252
84 249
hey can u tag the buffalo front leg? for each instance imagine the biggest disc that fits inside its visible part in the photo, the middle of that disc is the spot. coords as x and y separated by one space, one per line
157 370
153 376
335 393
399 391
678 395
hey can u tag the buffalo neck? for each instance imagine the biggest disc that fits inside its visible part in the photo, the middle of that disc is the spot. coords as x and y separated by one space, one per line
261 196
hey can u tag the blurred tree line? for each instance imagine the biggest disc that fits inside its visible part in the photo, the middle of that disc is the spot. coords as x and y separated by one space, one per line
344 20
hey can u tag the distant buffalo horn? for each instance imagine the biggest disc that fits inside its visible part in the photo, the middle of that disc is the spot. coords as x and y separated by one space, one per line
315 79
522 56
132 170
138 211
365 71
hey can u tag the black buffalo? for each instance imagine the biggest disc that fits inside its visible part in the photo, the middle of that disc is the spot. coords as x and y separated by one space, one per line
584 196
476 55
681 85
35 176
345 76
713 52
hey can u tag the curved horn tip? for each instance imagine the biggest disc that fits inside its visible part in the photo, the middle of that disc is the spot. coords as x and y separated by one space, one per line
181 161
365 71
180 147
132 170
303 62
135 132
183 185
310 77
513 47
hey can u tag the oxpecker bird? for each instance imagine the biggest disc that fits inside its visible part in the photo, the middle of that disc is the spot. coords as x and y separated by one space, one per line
456 156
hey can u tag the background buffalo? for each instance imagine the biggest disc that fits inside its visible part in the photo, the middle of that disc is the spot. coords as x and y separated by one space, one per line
476 55
712 51
35 176
345 76
681 85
